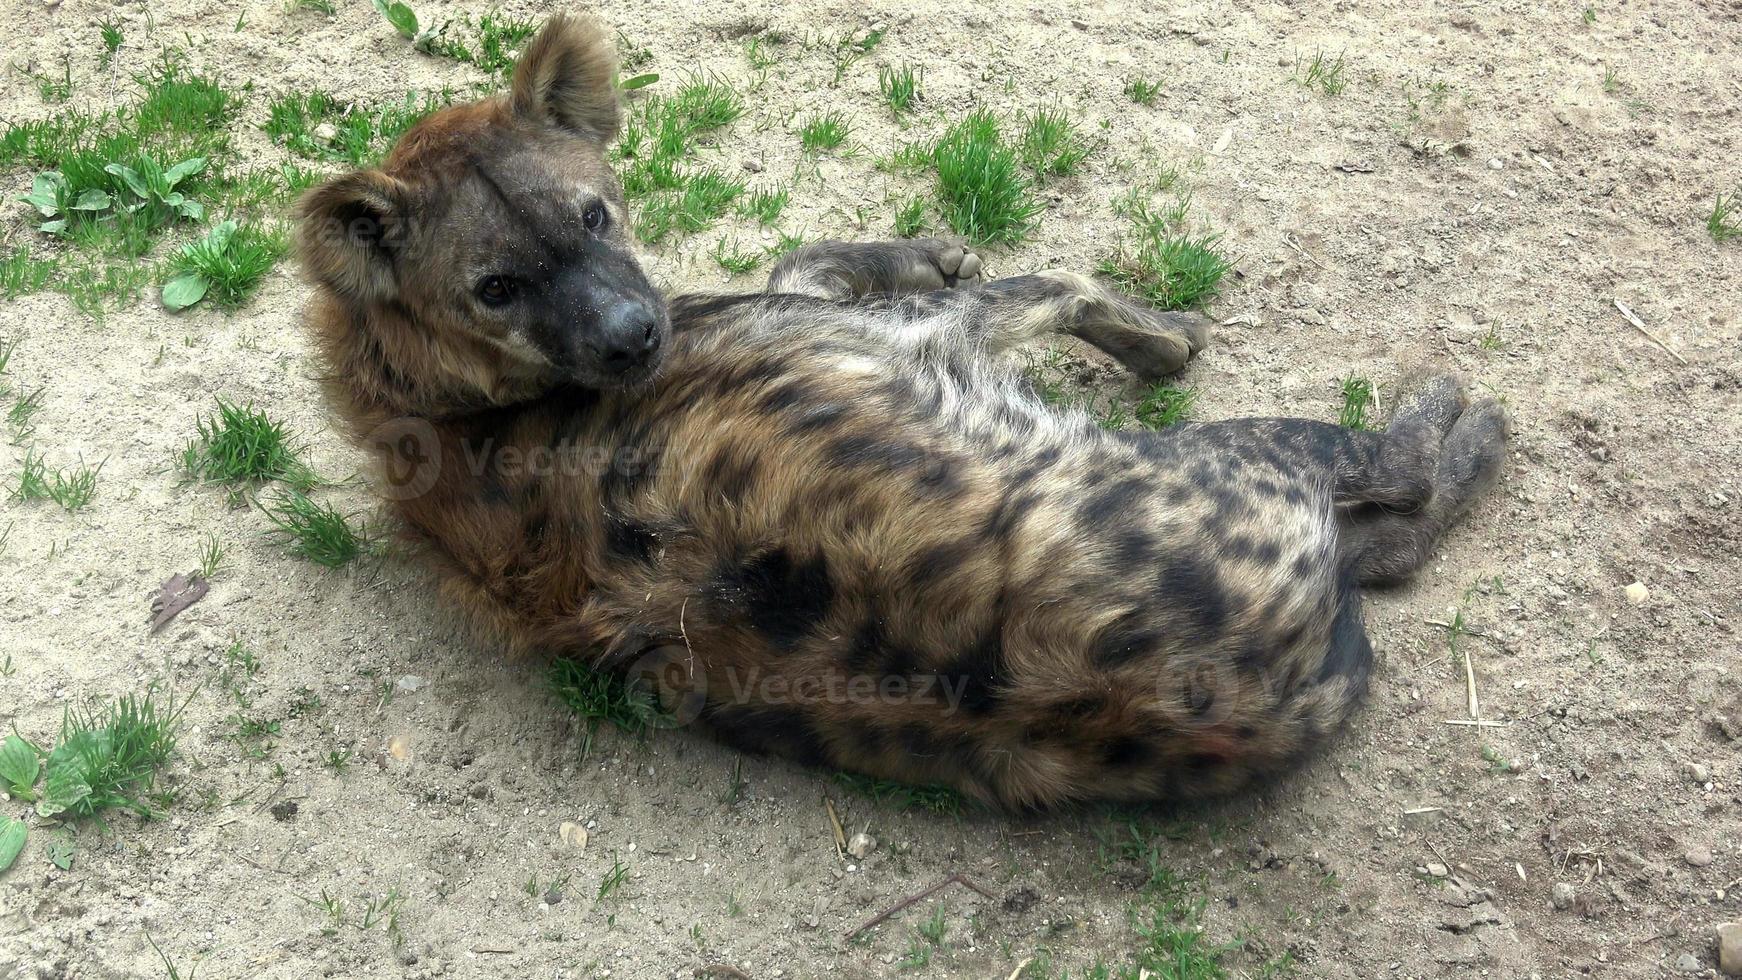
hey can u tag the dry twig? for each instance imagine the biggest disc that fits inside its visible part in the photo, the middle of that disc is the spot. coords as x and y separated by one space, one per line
955 879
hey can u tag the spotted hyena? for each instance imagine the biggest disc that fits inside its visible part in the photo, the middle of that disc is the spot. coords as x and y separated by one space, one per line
837 524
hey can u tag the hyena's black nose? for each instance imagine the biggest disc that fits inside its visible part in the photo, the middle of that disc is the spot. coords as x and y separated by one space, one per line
629 335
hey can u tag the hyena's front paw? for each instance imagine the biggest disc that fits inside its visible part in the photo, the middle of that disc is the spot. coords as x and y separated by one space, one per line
949 264
1158 343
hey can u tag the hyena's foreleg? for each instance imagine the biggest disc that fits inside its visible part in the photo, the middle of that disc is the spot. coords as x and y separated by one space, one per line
1008 313
926 277
846 271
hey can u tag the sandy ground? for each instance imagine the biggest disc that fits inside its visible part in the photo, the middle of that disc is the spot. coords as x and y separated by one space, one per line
1519 210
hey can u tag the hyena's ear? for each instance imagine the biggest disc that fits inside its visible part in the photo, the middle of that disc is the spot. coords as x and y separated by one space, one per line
348 229
564 79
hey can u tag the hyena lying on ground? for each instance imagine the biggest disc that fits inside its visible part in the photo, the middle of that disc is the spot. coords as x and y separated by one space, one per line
851 531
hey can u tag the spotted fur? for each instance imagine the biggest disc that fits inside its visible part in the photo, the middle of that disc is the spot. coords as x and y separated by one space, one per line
834 523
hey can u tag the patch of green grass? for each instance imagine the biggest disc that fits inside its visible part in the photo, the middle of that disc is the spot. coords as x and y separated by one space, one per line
699 200
765 204
55 88
1167 269
932 798
900 87
613 879
1496 761
597 696
316 531
239 444
982 192
182 104
112 40
1051 146
1611 80
657 139
226 266
21 417
93 285
171 971
729 258
1142 91
848 50
1322 73
73 489
1723 223
495 42
319 126
757 54
108 757
823 131
21 273
1174 946
327 7
111 182
910 218
1358 400
265 191
1164 405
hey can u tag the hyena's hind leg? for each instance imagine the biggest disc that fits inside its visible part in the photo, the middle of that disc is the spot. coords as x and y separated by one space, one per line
846 271
1385 540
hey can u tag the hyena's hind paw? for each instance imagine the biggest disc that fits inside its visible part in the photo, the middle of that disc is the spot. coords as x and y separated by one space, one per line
1471 456
1431 400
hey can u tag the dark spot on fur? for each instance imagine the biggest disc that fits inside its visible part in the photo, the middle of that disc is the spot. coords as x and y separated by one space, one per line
765 730
629 539
1123 640
861 450
729 474
939 561
1351 654
1127 752
783 398
782 598
1009 513
1133 547
1112 501
1193 586
979 671
817 417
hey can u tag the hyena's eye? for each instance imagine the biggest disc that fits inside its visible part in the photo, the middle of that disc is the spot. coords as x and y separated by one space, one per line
495 290
594 216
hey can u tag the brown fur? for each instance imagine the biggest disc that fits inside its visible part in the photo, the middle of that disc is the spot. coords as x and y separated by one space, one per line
834 526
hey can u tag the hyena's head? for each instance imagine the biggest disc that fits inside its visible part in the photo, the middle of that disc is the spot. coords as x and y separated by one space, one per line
490 258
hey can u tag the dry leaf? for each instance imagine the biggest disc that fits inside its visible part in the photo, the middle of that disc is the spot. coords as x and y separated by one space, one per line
175 594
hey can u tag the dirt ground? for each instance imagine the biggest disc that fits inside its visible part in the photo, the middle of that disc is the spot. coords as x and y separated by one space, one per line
1491 229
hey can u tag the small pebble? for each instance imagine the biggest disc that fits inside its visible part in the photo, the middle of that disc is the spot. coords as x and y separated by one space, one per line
1699 857
1689 963
1637 593
861 845
1698 773
1562 895
573 834
1496 163
1438 870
